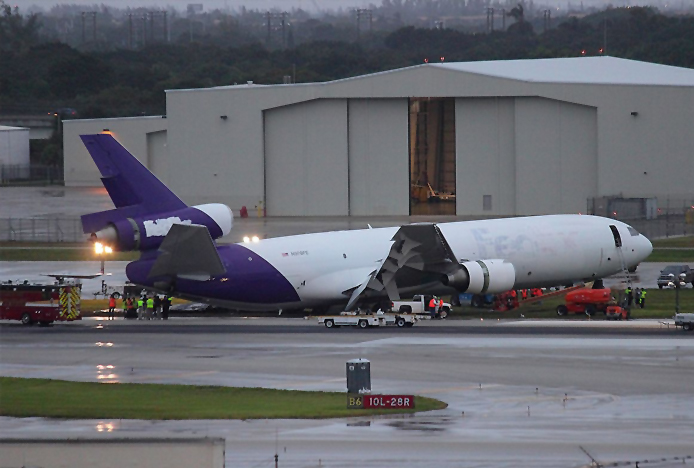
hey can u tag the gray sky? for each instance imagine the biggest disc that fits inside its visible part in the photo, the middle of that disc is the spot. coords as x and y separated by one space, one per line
309 5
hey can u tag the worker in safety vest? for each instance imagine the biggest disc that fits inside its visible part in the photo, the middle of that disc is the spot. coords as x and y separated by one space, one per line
432 307
141 308
438 312
642 302
111 307
630 296
150 307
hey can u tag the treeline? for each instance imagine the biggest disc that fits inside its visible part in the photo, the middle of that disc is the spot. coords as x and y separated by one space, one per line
41 76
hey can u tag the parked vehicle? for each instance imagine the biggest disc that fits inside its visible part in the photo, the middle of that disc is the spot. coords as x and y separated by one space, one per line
39 303
686 321
419 305
670 274
354 319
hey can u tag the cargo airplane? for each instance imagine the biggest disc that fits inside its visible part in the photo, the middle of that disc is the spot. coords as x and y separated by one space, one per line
179 255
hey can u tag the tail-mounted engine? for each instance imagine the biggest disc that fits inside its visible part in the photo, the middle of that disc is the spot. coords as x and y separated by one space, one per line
147 232
482 276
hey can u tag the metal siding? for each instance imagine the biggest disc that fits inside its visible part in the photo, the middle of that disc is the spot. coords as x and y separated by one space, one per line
485 155
556 156
131 132
157 155
378 157
306 159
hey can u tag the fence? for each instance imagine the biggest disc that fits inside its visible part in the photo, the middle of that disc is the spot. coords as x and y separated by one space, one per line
41 230
26 174
654 217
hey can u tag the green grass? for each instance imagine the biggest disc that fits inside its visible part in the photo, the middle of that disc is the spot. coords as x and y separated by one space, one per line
681 242
80 400
660 303
56 254
674 256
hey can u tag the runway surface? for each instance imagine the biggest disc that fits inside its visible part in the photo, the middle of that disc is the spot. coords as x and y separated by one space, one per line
520 393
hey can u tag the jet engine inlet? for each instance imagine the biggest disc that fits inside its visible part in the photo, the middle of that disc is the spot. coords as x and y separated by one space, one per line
482 276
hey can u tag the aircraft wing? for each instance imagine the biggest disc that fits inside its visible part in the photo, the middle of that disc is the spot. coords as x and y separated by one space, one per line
188 252
419 255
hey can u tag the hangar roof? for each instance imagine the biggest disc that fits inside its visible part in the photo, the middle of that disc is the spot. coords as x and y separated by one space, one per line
585 70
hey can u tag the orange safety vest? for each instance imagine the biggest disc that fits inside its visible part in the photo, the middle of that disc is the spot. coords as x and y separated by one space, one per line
440 303
432 303
112 302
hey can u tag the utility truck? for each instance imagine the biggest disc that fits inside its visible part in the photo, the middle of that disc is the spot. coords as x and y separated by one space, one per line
419 305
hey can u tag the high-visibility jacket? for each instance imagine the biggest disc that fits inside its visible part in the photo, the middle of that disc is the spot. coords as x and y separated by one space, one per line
440 303
112 302
432 303
643 294
150 303
140 303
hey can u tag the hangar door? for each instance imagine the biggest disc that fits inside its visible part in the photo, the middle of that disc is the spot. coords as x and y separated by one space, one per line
378 166
306 163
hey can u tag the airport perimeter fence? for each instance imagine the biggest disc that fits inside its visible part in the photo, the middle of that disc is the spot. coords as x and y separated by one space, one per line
41 230
30 174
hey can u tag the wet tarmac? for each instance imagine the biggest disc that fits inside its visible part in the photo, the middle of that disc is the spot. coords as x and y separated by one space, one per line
526 398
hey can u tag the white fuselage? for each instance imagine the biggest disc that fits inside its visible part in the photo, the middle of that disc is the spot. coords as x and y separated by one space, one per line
544 250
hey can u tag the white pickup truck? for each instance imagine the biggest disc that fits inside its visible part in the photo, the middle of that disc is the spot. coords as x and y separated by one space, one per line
420 305
686 321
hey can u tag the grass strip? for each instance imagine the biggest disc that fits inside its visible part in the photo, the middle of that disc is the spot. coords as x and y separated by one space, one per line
680 242
58 254
85 400
672 256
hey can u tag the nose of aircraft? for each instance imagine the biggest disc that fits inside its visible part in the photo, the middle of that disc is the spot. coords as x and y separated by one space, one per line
645 248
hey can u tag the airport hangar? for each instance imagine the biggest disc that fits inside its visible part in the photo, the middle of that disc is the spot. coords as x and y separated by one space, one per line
518 137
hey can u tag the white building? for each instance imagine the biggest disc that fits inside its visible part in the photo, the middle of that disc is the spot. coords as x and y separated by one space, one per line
507 137
14 146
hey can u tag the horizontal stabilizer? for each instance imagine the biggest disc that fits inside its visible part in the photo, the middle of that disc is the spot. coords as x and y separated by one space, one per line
187 252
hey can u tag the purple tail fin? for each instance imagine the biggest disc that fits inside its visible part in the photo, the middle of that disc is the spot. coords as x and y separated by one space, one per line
134 190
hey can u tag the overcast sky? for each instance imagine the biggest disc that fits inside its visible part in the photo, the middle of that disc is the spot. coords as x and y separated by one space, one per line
309 5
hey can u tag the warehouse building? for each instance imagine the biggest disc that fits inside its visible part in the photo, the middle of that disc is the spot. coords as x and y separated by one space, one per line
518 137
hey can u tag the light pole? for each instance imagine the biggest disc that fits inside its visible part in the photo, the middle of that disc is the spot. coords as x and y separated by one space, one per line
677 285
100 250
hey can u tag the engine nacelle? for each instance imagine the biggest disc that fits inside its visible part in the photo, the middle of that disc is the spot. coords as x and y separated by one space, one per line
148 232
483 276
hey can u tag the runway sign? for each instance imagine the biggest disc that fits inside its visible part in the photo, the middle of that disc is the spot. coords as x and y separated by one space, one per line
380 401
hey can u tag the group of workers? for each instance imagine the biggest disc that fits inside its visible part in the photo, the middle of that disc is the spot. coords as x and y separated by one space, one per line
148 307
435 305
638 296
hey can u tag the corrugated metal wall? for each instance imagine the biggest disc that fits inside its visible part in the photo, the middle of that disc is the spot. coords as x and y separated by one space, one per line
378 157
306 163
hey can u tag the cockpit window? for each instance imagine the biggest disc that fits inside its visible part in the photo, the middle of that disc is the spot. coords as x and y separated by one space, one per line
633 231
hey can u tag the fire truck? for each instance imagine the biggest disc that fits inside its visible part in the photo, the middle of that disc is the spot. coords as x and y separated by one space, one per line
40 303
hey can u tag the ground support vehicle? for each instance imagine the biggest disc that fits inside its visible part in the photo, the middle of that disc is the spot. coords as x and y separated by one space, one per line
419 305
686 321
40 303
379 319
615 312
672 273
586 300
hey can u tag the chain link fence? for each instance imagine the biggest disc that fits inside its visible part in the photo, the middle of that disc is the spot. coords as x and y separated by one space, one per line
30 174
41 230
655 218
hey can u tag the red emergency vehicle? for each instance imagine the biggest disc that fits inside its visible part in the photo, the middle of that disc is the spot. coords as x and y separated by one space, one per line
40 303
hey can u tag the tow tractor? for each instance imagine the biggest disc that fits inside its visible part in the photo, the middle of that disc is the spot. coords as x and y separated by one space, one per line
362 320
686 321
40 303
